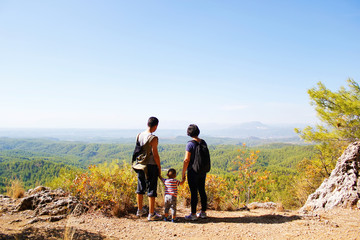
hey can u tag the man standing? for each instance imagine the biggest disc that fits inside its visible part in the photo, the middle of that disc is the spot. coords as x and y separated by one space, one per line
149 181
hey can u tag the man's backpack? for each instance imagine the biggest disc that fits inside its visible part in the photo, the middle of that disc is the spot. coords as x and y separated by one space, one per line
141 154
202 162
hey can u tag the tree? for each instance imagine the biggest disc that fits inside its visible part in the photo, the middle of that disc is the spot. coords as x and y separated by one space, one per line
250 183
339 113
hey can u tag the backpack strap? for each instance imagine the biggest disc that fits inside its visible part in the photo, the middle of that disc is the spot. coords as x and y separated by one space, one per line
196 142
151 137
137 139
147 146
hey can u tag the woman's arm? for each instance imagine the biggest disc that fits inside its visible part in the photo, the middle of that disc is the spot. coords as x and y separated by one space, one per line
186 163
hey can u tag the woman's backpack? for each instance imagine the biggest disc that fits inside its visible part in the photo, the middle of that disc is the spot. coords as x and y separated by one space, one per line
202 163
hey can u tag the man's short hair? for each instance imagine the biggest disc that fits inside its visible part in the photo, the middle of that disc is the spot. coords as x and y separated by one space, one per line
153 121
193 130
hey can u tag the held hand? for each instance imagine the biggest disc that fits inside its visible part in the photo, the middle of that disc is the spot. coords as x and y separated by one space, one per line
183 179
160 173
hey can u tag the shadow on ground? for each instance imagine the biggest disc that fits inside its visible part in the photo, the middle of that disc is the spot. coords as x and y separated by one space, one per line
264 219
54 233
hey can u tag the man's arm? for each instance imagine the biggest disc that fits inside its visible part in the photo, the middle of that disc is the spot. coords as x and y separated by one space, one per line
154 145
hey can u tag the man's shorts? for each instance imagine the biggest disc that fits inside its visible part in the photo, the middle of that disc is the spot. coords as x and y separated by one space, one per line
150 184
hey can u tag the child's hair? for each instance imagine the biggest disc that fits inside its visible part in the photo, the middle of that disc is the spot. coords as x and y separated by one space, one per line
171 173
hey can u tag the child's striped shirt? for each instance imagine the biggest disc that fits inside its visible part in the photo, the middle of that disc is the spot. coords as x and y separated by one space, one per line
171 186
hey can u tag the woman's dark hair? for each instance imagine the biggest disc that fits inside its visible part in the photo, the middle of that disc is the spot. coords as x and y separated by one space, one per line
193 130
153 121
171 173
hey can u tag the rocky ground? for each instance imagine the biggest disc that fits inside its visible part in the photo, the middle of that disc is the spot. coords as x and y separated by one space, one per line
253 224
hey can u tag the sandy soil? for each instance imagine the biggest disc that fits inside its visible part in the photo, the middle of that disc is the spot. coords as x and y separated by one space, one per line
253 224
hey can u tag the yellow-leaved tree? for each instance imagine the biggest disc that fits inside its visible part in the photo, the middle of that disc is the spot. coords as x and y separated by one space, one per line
250 183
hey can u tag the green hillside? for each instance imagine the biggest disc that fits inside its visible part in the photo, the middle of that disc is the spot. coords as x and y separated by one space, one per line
37 161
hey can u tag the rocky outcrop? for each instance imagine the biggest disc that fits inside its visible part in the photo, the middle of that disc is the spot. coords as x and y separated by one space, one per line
56 204
265 205
342 188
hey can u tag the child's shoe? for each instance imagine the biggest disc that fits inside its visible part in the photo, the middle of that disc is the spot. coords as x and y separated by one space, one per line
174 220
165 219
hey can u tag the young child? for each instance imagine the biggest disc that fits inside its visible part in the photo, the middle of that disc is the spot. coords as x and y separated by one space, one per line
171 185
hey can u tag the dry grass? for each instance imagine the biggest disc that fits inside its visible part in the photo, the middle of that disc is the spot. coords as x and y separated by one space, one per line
16 189
117 210
279 207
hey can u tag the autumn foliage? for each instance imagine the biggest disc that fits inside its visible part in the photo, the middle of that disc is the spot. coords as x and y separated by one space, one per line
244 185
111 187
249 183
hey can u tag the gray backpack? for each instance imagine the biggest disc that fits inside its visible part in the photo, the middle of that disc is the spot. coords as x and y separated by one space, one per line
142 154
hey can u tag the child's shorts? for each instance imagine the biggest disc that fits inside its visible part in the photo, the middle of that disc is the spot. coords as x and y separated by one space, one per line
170 203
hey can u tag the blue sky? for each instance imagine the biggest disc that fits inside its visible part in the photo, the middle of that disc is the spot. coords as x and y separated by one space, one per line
112 64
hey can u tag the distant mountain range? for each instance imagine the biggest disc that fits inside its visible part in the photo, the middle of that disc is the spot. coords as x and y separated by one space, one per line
233 134
256 129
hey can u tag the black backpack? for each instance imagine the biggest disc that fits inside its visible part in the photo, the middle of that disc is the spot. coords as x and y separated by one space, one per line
202 162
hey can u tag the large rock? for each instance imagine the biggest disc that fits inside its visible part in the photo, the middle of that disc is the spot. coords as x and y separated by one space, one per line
342 188
266 205
54 203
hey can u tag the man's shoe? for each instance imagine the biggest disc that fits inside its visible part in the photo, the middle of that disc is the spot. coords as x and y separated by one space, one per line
201 215
141 212
154 217
191 217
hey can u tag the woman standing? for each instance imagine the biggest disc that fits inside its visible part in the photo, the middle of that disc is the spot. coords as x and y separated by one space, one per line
196 180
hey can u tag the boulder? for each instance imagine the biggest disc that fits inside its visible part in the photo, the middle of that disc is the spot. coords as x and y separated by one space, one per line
265 205
54 203
37 190
26 203
342 188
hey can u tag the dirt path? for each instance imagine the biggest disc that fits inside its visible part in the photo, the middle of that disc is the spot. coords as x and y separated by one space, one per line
254 224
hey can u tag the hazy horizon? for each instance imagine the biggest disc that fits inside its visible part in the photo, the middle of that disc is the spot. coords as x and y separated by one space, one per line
176 126
241 131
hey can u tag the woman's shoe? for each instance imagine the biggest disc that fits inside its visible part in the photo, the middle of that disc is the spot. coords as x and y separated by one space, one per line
191 217
201 215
